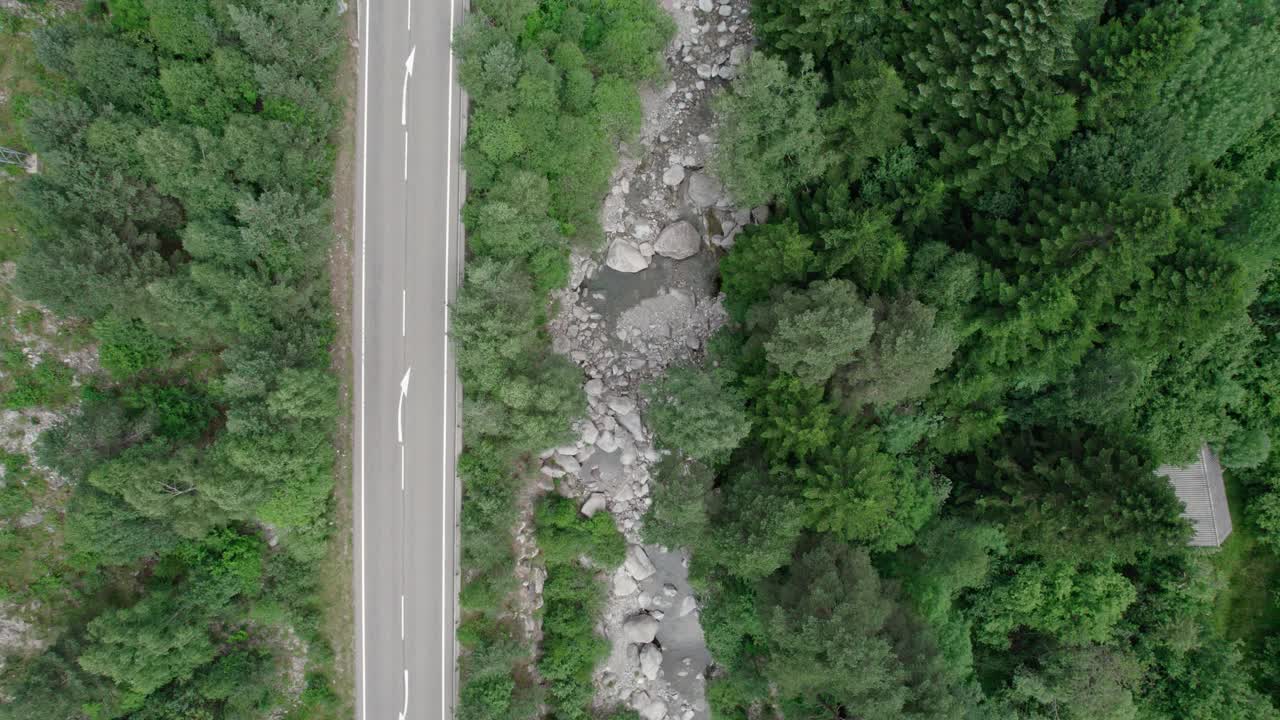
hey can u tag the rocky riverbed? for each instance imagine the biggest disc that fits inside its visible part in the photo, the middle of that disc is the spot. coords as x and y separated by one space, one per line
648 303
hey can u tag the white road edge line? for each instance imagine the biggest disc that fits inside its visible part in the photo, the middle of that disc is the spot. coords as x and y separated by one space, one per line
408 24
446 659
406 156
364 224
402 480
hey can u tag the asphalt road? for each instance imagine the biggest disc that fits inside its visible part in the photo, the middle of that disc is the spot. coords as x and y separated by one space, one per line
407 255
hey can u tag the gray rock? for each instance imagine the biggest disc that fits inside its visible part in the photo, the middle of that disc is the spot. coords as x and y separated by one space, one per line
656 710
728 72
760 214
687 605
569 463
704 190
612 213
552 471
607 442
623 585
725 11
680 240
650 661
631 422
621 404
594 504
673 176
594 387
706 6
625 257
704 72
640 628
590 433
738 54
638 564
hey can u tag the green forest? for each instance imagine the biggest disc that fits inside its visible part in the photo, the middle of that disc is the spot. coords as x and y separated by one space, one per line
1021 253
181 215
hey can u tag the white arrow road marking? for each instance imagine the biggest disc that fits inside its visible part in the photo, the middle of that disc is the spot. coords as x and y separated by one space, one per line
404 92
404 390
406 695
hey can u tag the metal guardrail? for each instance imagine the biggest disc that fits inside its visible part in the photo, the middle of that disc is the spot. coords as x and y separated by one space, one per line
9 156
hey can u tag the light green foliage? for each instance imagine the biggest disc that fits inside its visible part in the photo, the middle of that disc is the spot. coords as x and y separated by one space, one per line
762 258
573 596
950 557
115 71
1076 684
1062 216
165 635
1076 604
697 412
47 383
564 534
678 516
865 247
1247 449
839 638
128 15
194 95
771 139
812 332
756 524
1071 497
861 494
553 88
128 346
89 272
180 208
907 351
182 27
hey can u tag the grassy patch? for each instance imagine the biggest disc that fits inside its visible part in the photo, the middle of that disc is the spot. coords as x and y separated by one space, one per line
1246 609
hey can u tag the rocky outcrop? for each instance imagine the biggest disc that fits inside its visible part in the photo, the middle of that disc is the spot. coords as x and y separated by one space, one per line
624 318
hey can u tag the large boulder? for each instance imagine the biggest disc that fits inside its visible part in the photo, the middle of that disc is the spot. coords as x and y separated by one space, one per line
595 503
687 605
620 404
650 661
631 421
638 563
704 190
656 710
623 585
625 257
640 628
678 241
